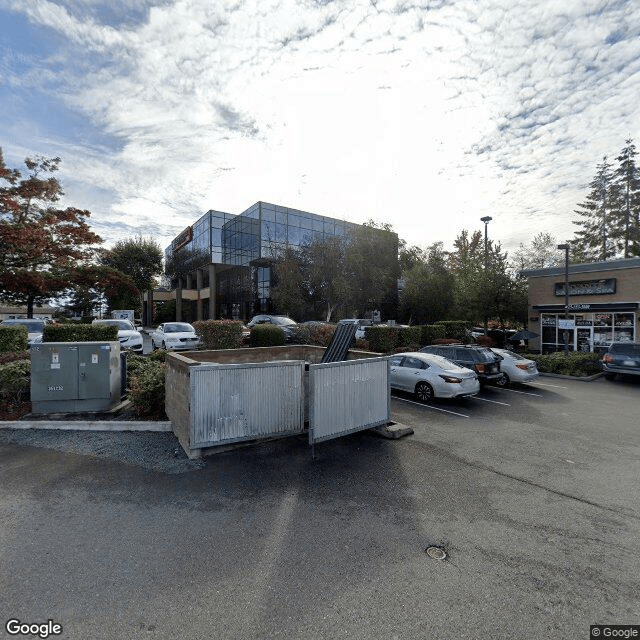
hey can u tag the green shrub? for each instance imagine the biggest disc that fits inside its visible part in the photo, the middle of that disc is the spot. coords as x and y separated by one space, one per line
301 334
219 334
13 337
13 356
321 334
431 332
80 333
146 388
576 363
15 380
409 338
456 329
266 335
382 339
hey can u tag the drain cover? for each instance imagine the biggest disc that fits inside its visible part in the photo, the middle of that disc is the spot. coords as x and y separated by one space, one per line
436 553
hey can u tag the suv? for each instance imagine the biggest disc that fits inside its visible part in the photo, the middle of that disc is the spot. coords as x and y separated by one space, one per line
622 357
482 360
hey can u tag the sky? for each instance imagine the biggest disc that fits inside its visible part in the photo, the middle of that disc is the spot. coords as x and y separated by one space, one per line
426 114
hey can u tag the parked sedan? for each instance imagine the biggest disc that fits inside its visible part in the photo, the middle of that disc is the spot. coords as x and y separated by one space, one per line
515 368
177 336
431 376
128 337
622 357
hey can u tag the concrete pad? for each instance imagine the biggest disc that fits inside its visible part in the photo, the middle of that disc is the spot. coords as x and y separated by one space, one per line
392 431
89 425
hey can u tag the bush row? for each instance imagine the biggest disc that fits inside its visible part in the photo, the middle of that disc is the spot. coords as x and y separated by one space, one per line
80 333
219 334
387 339
576 363
13 338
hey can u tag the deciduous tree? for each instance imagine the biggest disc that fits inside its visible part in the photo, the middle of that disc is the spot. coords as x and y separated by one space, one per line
42 246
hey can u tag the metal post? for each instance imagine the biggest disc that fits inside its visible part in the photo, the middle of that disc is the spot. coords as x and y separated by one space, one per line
566 293
486 220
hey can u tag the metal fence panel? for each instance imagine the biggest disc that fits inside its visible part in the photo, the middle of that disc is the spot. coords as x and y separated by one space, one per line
349 396
235 402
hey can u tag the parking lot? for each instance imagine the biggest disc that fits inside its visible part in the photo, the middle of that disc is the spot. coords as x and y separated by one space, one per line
532 492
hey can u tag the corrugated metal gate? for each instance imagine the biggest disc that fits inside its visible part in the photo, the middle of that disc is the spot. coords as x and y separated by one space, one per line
235 402
348 396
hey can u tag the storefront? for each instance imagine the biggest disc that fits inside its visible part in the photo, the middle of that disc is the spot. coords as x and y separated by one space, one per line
604 306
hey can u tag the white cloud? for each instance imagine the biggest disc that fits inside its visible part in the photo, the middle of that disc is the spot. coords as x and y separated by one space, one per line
425 114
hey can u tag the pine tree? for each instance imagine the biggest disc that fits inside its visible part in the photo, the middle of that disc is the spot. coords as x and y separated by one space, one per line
598 214
627 179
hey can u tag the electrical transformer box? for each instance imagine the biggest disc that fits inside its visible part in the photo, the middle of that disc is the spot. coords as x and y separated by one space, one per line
68 377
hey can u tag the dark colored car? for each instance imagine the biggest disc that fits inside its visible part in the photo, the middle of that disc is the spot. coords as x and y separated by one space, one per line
482 360
286 324
622 357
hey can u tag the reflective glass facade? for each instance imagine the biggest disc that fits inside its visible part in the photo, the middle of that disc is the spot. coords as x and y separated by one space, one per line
243 246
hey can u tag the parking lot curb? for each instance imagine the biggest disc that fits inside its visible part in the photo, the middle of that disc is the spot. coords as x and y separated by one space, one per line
89 425
595 376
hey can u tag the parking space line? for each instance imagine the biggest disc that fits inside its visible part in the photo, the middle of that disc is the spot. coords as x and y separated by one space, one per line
524 393
557 386
430 406
506 404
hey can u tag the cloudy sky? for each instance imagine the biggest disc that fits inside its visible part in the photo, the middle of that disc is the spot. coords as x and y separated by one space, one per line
427 114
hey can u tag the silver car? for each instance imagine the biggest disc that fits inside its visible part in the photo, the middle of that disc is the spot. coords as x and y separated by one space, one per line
128 336
431 376
35 327
175 336
514 367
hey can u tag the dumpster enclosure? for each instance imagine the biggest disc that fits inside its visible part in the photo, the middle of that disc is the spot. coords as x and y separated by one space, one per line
216 398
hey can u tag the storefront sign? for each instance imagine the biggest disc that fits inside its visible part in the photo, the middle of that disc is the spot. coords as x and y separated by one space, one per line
566 324
605 286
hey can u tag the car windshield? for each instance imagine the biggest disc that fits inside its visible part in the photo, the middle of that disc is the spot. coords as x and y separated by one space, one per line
123 325
33 326
282 320
178 327
630 348
439 361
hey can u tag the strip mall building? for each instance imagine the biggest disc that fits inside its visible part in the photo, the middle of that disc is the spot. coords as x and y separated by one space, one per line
604 305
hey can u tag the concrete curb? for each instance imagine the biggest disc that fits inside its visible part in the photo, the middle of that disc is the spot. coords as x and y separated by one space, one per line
88 425
595 376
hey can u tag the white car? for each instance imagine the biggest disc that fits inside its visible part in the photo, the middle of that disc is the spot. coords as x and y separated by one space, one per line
35 327
177 336
128 336
514 367
431 376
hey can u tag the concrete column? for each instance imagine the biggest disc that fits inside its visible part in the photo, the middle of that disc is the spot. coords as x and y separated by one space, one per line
212 291
179 301
199 287
147 320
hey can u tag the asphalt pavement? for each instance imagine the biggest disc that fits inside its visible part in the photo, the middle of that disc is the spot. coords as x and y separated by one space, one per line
531 491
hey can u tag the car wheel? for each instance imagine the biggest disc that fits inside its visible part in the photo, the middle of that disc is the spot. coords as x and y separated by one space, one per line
164 346
424 392
503 380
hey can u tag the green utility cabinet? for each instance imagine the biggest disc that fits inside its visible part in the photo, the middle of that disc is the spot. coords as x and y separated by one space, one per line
68 377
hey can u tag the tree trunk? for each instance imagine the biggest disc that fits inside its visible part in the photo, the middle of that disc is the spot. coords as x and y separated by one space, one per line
30 306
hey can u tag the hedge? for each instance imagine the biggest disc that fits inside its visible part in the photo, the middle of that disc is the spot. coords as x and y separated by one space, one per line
13 337
266 335
576 363
431 332
383 339
80 333
15 381
457 329
315 334
219 334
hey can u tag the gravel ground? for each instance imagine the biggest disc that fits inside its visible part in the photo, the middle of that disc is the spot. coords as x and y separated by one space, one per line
157 451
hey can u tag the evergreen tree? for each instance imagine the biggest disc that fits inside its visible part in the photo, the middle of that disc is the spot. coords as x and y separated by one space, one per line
598 214
627 178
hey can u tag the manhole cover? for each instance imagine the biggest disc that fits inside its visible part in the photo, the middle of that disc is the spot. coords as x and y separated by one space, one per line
436 553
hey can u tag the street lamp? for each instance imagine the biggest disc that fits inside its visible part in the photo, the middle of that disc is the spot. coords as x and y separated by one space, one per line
486 220
566 294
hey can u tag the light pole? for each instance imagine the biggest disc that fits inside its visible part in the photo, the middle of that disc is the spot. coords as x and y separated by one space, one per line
486 220
566 294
